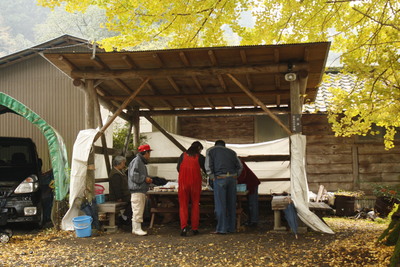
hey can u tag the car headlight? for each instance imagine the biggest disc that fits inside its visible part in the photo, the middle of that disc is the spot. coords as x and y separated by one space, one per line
29 185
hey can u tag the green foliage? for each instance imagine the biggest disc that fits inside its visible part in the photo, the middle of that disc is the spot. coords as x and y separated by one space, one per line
119 136
391 192
390 236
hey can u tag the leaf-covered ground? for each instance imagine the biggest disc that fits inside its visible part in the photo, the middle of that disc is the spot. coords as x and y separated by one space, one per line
354 244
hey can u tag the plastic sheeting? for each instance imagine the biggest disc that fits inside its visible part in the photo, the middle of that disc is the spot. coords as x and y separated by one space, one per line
80 154
163 147
57 150
299 185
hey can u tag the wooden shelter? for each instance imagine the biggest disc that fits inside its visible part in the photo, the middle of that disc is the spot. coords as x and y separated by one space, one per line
198 81
240 80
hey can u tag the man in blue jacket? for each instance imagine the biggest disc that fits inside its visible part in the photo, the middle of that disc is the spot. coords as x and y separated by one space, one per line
223 167
138 182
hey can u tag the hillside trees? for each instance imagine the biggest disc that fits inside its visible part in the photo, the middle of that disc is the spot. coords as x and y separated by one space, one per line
88 26
366 33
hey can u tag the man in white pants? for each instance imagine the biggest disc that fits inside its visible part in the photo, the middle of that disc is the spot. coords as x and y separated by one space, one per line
139 181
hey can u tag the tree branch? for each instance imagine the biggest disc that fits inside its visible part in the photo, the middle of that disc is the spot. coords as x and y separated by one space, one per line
205 20
377 21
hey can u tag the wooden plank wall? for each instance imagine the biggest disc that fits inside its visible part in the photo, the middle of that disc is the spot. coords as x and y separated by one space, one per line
233 130
346 163
335 162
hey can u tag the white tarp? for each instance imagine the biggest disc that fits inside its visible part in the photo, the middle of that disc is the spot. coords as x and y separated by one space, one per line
80 154
163 147
299 185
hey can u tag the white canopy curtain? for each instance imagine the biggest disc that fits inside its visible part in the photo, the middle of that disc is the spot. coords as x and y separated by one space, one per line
299 185
80 154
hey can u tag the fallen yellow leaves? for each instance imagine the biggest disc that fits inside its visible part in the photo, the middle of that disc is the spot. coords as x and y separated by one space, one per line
354 244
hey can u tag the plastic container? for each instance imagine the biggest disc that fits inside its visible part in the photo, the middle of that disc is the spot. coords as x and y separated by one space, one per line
241 187
98 189
100 199
83 226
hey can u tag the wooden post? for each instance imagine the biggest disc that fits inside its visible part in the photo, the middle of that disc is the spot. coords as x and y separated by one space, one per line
89 105
100 123
89 124
295 107
136 129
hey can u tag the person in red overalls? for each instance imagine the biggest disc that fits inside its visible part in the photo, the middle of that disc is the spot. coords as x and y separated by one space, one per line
189 167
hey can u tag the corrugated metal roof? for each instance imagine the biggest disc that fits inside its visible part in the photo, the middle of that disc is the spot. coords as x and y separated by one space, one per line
60 43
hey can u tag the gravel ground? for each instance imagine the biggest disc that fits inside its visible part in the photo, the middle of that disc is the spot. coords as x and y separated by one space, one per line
353 244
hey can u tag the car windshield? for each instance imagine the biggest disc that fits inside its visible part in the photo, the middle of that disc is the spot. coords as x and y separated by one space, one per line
15 155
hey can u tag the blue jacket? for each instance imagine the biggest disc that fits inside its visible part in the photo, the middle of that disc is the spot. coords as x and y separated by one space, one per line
137 173
221 160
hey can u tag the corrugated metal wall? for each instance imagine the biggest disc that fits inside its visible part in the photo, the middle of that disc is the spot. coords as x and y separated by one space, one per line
49 93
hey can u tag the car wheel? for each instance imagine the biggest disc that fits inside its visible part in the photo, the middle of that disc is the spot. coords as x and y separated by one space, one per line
39 224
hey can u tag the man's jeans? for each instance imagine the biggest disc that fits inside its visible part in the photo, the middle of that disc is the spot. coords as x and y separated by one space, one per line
225 204
253 206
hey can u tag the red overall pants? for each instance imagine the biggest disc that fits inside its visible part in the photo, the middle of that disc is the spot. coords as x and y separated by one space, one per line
189 190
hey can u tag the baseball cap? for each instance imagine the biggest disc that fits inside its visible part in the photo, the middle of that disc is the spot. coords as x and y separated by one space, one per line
145 147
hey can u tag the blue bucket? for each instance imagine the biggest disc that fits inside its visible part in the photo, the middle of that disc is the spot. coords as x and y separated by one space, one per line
83 226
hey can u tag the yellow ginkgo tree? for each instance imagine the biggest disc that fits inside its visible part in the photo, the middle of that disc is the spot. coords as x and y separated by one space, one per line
366 34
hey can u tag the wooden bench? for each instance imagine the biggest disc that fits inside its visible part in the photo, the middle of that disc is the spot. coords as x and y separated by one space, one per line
111 209
279 203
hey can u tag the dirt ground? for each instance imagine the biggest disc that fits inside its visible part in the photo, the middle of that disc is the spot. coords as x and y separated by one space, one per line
353 244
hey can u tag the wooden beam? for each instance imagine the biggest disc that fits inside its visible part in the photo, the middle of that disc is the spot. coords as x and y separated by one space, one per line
67 62
187 71
129 62
261 104
122 107
250 158
170 137
197 96
213 112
